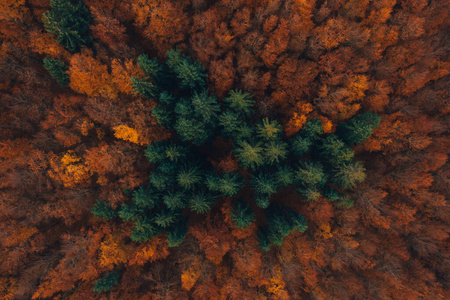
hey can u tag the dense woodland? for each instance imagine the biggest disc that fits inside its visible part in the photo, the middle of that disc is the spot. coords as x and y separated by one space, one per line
81 124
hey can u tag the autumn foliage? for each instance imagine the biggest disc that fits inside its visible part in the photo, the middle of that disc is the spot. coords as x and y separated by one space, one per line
74 133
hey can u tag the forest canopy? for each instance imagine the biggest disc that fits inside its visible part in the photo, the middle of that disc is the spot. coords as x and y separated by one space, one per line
275 149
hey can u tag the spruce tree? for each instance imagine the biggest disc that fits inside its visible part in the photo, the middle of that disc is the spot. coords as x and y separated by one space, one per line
201 202
163 116
143 87
242 215
205 106
175 199
57 70
262 200
190 74
143 230
269 130
192 130
240 103
348 174
69 21
312 129
334 151
145 197
177 233
250 156
264 183
103 210
284 175
275 151
359 128
155 152
107 282
166 217
130 212
151 67
229 184
310 173
188 177
301 145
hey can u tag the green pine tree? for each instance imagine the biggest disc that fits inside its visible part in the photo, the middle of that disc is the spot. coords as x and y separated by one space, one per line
250 156
242 215
143 230
334 151
262 200
201 202
151 67
229 184
163 116
192 130
161 181
107 282
229 122
102 210
69 21
57 70
349 174
275 151
175 199
310 193
269 130
284 175
301 145
239 102
190 74
166 217
310 173
145 197
188 177
177 233
143 86
130 212
264 183
359 128
206 107
155 153
312 130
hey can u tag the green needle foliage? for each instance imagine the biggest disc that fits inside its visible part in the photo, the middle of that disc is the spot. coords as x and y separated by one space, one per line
68 21
174 200
264 183
201 202
228 185
359 128
269 130
177 233
107 282
103 210
248 155
275 152
242 215
284 176
143 87
57 70
239 102
144 229
310 173
183 181
349 174
190 74
188 177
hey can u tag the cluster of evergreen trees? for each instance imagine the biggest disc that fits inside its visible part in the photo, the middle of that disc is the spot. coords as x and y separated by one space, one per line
316 164
68 21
